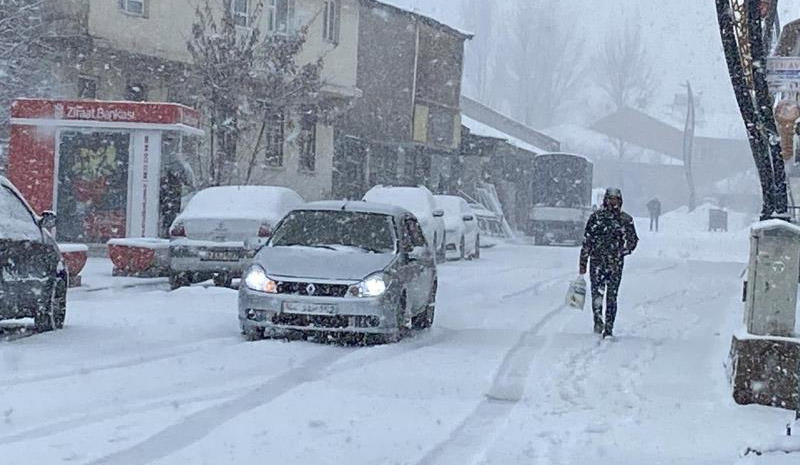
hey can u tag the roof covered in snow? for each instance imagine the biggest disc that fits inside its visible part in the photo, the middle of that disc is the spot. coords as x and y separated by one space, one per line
488 122
484 130
424 10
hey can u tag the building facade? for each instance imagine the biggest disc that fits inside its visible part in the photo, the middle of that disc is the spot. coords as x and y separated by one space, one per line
406 126
137 50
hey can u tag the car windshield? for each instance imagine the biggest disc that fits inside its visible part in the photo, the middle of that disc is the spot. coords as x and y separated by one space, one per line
370 232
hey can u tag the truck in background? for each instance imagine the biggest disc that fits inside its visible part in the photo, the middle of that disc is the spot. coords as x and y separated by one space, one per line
562 198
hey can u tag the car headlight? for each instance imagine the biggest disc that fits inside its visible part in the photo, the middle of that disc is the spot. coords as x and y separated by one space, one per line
257 280
372 286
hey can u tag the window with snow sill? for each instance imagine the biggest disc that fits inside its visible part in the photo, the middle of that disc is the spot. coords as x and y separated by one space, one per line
134 7
280 16
330 21
307 143
240 12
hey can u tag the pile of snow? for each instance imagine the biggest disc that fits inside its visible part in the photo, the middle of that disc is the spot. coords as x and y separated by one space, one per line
73 248
684 235
684 220
140 242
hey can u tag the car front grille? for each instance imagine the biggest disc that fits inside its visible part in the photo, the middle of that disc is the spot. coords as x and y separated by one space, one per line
312 289
311 321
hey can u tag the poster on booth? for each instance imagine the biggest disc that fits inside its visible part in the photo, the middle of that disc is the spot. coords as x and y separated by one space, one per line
92 185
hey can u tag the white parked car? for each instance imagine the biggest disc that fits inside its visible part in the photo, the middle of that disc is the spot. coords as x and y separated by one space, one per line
207 240
490 225
461 228
420 202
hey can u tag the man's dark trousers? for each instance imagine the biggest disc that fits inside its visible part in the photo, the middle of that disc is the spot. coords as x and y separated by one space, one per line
606 276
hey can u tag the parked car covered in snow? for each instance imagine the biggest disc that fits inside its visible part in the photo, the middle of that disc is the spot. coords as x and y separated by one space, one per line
461 227
490 225
341 267
207 240
33 277
420 202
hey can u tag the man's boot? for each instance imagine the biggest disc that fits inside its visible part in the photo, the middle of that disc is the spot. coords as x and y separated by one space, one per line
608 331
598 322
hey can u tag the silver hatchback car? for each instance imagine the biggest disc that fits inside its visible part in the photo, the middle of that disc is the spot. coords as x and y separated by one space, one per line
341 267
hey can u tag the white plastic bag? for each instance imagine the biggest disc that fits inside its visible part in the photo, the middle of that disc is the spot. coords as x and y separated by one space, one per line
576 295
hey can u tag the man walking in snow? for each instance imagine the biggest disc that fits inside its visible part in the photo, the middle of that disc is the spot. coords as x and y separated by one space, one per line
610 235
654 207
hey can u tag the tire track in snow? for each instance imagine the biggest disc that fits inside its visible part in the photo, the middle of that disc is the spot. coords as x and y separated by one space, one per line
476 432
234 402
176 351
538 286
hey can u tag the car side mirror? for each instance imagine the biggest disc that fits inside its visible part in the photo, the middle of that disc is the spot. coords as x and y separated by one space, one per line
47 220
438 213
253 244
468 218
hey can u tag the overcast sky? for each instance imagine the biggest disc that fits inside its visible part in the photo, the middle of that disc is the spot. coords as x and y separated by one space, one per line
682 35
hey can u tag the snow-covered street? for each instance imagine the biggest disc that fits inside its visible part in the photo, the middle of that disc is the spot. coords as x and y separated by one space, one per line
508 375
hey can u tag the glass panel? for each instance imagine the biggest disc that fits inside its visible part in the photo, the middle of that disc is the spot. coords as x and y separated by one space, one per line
366 231
92 186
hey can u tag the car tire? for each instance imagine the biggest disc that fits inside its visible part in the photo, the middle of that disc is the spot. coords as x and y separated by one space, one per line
223 280
463 247
477 253
44 319
60 304
253 333
178 280
425 319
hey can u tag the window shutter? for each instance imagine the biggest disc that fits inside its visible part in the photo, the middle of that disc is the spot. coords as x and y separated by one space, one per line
337 21
325 20
290 27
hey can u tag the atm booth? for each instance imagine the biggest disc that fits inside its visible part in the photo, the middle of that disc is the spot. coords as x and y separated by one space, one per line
109 170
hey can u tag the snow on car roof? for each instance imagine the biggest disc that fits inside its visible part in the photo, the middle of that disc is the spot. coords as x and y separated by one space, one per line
249 202
415 199
449 202
355 206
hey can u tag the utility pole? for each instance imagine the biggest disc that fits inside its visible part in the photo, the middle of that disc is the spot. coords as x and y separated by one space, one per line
688 145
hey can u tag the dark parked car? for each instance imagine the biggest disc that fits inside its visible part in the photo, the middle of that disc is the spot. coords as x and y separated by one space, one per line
33 279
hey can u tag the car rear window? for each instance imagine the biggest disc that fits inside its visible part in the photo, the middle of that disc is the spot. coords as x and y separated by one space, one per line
16 222
370 232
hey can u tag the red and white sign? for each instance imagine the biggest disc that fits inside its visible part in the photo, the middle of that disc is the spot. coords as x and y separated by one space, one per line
39 112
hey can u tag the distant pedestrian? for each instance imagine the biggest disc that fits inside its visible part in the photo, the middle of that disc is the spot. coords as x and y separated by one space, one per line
610 235
654 207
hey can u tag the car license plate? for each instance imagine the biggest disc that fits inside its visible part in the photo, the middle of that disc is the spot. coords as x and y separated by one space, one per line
309 309
222 256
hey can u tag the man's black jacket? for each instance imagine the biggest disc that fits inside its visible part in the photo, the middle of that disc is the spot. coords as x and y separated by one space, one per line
609 236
